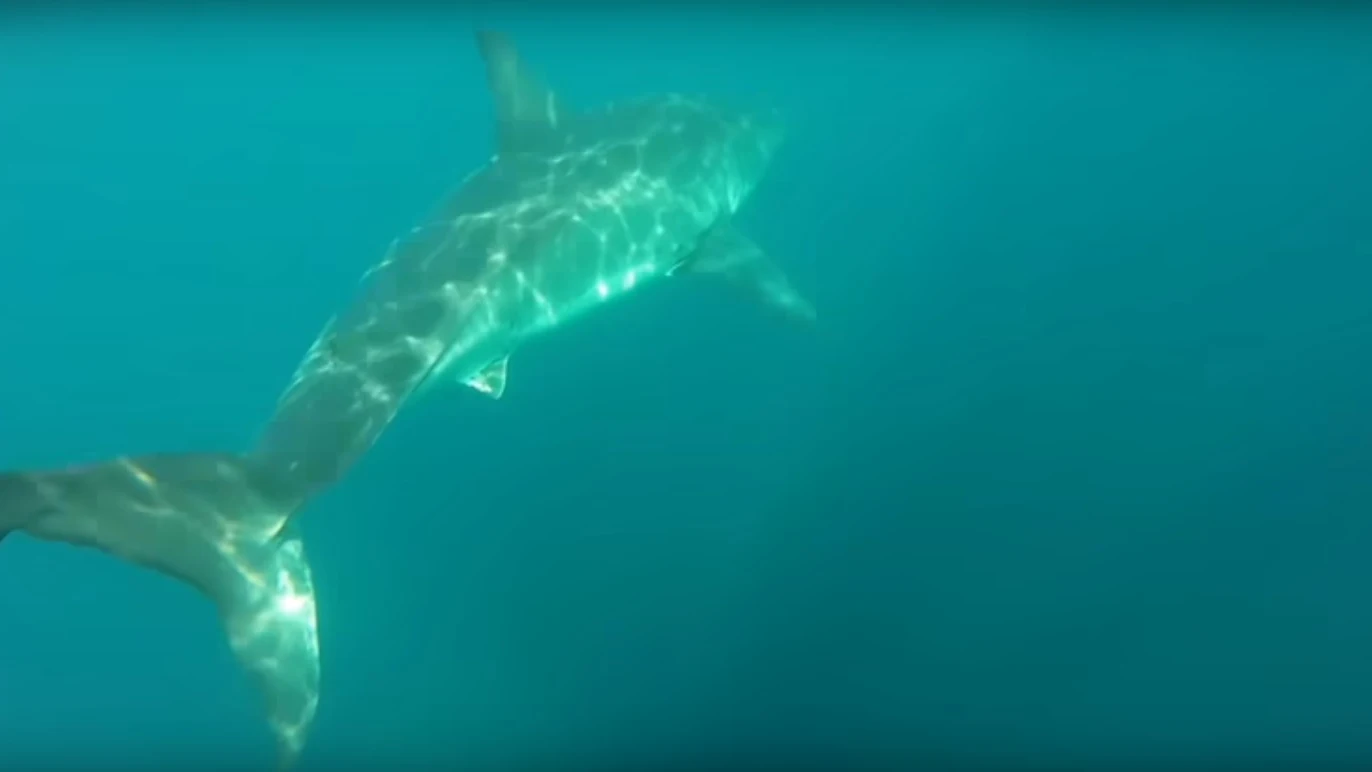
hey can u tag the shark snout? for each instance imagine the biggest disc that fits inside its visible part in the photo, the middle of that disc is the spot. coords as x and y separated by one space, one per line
760 134
771 129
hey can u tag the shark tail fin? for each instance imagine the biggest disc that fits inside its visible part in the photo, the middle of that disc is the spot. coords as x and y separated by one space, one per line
215 521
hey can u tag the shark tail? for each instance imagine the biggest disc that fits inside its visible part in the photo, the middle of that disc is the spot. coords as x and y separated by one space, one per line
218 522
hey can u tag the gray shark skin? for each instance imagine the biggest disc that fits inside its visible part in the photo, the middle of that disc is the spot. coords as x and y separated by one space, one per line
576 209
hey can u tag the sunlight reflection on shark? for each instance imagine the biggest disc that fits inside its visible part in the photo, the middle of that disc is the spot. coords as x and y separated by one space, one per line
577 209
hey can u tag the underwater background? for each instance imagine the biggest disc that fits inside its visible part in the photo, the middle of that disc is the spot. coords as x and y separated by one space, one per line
1074 468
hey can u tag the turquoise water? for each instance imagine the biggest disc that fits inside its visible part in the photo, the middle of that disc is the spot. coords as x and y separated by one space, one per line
1074 467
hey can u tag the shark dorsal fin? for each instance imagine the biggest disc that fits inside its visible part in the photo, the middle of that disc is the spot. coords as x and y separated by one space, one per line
526 110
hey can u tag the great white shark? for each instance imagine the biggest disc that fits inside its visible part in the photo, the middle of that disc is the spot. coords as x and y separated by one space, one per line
576 209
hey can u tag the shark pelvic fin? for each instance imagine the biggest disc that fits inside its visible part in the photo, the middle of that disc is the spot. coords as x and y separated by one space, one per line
729 254
491 381
215 522
526 110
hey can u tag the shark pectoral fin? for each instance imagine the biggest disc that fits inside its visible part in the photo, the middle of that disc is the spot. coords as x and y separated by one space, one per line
491 381
526 110
732 256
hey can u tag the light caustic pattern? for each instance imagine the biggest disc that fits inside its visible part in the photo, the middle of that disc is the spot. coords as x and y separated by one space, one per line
212 521
529 242
561 222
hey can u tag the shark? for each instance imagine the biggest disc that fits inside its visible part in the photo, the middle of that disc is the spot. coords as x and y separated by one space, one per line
576 209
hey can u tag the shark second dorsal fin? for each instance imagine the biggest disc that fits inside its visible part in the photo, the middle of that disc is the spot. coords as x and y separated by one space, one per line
526 110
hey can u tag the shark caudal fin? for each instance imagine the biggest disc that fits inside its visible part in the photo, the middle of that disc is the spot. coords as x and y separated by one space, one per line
215 522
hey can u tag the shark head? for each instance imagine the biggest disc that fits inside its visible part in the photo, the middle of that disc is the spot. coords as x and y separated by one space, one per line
770 128
755 139
731 147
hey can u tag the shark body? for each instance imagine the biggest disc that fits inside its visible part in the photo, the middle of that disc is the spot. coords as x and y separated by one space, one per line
577 208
